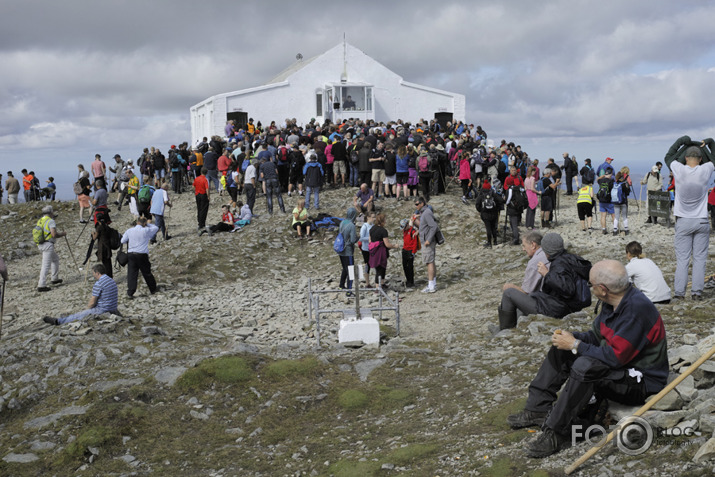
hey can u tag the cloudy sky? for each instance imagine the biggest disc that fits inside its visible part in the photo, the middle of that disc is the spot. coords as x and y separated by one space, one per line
615 78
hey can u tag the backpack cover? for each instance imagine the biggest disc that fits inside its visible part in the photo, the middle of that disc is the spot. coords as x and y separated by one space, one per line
145 194
39 232
423 164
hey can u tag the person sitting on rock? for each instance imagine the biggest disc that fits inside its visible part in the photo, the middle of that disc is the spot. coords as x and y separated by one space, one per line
364 200
226 224
104 298
623 358
563 289
531 244
645 275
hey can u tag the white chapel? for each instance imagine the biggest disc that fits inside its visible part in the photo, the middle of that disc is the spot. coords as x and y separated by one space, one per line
341 83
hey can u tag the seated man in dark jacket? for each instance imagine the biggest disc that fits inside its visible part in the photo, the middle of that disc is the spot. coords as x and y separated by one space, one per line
623 358
564 289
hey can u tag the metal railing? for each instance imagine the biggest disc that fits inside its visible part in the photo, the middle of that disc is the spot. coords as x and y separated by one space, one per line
385 303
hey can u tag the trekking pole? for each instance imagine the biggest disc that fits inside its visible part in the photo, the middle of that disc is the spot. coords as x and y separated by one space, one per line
640 412
640 196
91 211
2 303
72 255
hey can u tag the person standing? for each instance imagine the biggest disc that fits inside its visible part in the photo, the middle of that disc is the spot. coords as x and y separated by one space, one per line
428 230
619 199
249 185
50 259
570 171
313 179
203 199
692 227
99 169
159 202
654 183
269 176
104 298
12 185
27 185
138 238
347 230
211 165
83 196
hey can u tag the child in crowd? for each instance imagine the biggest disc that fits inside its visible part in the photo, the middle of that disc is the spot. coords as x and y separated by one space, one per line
50 189
410 246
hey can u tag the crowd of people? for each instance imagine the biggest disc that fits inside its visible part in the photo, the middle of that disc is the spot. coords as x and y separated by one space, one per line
399 161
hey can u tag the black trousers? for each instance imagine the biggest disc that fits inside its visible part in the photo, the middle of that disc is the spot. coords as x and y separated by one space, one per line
139 262
408 266
345 262
250 190
491 226
425 184
514 223
583 376
365 177
202 209
569 185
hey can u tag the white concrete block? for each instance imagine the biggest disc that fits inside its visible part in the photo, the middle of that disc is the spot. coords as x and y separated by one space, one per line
367 329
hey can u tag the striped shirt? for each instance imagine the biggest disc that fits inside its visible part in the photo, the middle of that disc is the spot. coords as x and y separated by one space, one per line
105 289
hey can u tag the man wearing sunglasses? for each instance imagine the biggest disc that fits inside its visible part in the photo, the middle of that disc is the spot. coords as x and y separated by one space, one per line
623 358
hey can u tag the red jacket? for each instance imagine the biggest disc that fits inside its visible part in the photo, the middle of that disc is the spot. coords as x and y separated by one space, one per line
410 240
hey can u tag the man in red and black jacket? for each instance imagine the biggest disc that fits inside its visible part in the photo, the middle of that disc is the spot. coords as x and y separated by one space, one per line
624 358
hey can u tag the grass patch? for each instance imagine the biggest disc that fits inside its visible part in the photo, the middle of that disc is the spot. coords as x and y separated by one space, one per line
412 453
351 468
225 369
291 368
353 400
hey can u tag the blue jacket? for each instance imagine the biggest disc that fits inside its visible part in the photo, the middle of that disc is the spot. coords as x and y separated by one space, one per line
313 174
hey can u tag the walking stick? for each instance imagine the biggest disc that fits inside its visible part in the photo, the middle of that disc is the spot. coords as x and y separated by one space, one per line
641 411
91 210
2 303
72 255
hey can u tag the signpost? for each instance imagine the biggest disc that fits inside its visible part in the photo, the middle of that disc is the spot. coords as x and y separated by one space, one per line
659 205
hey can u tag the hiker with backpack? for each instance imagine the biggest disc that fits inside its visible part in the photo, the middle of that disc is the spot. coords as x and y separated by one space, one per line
424 169
159 202
564 289
619 199
465 175
295 174
588 175
570 169
654 183
605 207
44 235
549 185
106 238
144 199
489 203
516 202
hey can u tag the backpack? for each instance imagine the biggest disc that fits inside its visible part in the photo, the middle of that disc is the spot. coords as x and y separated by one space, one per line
574 166
174 161
115 239
582 297
501 167
487 203
354 158
588 176
283 155
145 194
77 188
423 164
39 234
617 195
518 198
339 244
604 192
245 164
539 186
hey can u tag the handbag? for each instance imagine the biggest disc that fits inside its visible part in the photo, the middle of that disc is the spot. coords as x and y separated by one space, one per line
438 237
122 257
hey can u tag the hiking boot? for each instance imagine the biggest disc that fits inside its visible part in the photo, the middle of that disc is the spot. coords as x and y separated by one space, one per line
50 321
710 283
464 200
209 231
627 232
605 232
526 418
507 319
56 282
487 245
43 289
697 298
428 290
548 442
678 297
615 233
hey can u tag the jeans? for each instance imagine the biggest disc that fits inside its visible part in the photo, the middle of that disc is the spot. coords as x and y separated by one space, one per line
353 175
212 177
50 262
176 181
691 239
139 262
82 314
274 187
621 212
159 222
583 376
250 190
308 192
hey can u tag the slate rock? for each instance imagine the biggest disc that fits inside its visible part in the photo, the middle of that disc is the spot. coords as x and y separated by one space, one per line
20 458
169 375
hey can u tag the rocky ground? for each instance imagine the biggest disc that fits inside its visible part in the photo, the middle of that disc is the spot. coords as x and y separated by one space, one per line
220 372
